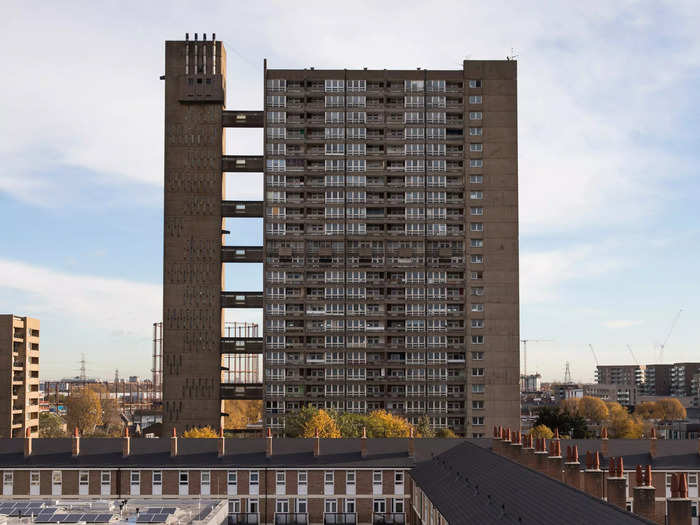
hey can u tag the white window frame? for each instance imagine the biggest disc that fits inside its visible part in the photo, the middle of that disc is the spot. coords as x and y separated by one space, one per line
56 483
183 482
7 483
302 482
157 482
34 483
205 482
253 486
135 482
377 482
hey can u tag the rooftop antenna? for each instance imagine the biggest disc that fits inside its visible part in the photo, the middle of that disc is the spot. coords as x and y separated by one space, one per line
514 55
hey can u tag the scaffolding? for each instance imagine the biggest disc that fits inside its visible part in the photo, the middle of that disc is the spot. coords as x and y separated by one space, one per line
241 368
157 368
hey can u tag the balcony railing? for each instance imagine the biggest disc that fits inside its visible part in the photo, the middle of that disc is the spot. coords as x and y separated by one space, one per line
294 518
339 518
244 518
388 518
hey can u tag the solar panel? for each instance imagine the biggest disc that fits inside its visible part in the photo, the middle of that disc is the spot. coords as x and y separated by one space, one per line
153 510
103 518
36 504
45 517
73 518
59 518
169 510
160 518
144 517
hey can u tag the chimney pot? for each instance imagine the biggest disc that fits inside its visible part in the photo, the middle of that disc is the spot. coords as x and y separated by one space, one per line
411 445
647 476
596 460
76 442
126 443
222 443
268 443
317 445
363 449
683 485
173 443
27 443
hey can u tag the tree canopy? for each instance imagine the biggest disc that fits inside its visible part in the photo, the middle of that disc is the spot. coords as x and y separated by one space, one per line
84 411
200 432
378 424
554 418
541 431
321 424
51 426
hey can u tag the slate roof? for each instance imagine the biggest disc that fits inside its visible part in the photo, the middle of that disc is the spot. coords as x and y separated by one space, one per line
245 453
472 485
671 454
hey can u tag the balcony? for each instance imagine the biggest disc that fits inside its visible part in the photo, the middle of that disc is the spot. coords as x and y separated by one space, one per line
293 518
244 518
241 391
388 518
339 518
242 119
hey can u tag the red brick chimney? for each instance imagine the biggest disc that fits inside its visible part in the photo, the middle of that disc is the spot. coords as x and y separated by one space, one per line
540 461
221 443
268 443
317 445
505 443
126 443
554 460
411 445
496 440
76 442
572 468
527 457
173 443
678 505
604 442
27 443
516 445
593 475
652 442
363 443
644 494
616 484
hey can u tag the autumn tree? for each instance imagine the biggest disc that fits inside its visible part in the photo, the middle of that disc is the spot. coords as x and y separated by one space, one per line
445 433
670 409
647 410
296 421
200 432
593 409
84 411
349 424
623 425
382 424
51 426
541 431
321 424
569 406
241 413
423 428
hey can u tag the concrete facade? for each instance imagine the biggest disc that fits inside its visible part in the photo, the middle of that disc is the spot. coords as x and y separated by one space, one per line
19 370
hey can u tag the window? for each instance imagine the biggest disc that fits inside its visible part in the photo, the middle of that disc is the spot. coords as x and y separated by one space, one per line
357 85
34 483
357 117
435 85
478 388
281 477
398 477
477 372
184 478
476 147
692 480
476 163
379 506
476 132
56 482
475 84
282 506
335 85
334 149
350 477
377 477
477 307
476 195
476 179
335 101
476 243
277 84
475 99
477 405
328 477
8 483
331 506
277 101
350 506
335 116
477 339
477 323
254 477
135 477
414 85
475 115
477 420
301 505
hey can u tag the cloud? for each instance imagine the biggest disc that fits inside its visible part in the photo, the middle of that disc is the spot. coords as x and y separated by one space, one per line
114 305
622 323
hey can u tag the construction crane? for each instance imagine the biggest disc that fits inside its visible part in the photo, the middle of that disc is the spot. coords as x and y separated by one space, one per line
525 342
661 346
634 358
594 355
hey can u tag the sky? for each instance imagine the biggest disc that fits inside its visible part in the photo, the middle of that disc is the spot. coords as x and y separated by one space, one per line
608 160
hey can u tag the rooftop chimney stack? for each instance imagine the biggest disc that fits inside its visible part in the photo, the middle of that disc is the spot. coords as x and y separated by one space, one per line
27 443
222 443
644 494
617 484
317 445
572 468
268 443
604 442
593 476
363 441
126 443
541 455
76 442
412 445
678 505
173 443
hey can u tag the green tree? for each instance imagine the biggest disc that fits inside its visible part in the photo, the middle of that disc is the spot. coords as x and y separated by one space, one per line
423 428
541 431
445 433
349 424
84 411
51 425
296 421
554 418
200 432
